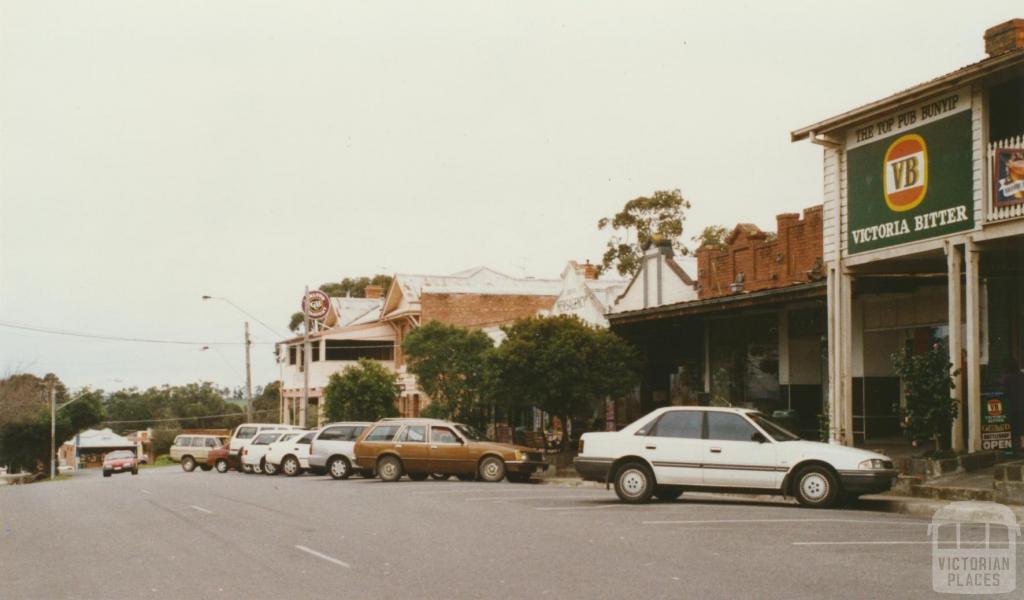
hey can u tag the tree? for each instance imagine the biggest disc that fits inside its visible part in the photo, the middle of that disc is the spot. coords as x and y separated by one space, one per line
659 216
927 379
22 395
712 236
450 363
25 439
364 392
349 286
194 406
267 403
562 366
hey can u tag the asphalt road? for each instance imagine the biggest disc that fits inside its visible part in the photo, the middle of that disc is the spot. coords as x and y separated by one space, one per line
170 534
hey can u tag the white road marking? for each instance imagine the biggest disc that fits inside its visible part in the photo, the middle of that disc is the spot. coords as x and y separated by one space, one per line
581 507
478 489
547 497
714 521
147 492
884 543
201 509
329 559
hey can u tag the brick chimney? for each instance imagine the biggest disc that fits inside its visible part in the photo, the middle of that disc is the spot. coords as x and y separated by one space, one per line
373 291
1004 37
589 270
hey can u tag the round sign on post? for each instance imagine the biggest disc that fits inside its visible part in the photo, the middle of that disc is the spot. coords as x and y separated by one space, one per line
316 304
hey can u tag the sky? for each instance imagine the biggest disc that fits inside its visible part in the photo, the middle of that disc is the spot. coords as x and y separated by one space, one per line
153 152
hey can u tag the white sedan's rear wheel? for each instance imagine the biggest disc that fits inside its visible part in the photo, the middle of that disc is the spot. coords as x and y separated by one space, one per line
339 468
290 466
634 483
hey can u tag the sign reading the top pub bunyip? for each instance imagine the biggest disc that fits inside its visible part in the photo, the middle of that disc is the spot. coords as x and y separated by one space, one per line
909 174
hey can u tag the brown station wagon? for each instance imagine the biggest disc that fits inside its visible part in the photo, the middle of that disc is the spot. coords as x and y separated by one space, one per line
421 448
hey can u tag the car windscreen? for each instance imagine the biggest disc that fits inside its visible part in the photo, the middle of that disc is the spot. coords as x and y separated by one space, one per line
245 433
265 438
120 455
469 432
778 432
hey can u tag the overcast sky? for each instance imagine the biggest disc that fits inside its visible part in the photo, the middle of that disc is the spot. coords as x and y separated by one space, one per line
153 152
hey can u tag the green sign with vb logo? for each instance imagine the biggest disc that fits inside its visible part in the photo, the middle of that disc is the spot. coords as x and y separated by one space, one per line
909 175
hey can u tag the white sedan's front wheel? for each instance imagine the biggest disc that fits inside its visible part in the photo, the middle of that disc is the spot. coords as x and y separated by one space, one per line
816 487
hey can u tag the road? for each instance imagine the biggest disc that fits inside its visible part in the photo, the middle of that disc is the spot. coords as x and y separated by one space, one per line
170 534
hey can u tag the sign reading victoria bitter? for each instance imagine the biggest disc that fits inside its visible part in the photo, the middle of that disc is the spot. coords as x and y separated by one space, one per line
909 174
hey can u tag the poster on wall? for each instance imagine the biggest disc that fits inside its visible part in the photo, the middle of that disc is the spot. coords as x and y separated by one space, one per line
909 174
1008 176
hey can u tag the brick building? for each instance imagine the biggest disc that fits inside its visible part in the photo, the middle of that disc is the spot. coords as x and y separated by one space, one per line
375 327
749 334
754 260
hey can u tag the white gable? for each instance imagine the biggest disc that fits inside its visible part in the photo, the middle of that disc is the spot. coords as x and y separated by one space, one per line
660 281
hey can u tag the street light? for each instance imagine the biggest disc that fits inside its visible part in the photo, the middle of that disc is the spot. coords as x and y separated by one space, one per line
53 424
248 351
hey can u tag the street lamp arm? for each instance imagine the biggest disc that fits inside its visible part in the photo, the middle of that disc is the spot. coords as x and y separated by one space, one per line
249 314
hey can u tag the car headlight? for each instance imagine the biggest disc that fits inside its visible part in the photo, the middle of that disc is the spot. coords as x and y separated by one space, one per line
872 463
520 455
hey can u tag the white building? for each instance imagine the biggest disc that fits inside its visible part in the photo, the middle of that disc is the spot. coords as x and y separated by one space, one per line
375 327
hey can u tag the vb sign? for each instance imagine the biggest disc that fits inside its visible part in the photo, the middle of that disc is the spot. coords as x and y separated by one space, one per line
316 304
910 175
906 173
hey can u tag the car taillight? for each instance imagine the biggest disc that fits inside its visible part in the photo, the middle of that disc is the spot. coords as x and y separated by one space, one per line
245 451
581 445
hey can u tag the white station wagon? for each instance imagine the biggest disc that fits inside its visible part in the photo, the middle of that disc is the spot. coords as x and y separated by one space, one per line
679 448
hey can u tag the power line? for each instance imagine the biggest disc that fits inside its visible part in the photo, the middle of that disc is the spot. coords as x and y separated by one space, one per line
237 414
117 338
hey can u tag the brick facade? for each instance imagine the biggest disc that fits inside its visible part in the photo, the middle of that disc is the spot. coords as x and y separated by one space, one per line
481 310
753 260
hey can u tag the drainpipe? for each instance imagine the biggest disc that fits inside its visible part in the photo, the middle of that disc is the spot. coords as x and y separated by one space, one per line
836 427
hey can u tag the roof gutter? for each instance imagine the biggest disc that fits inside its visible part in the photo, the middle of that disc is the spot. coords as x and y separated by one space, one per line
919 92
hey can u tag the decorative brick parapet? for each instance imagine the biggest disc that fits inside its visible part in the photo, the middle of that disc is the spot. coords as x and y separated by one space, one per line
755 260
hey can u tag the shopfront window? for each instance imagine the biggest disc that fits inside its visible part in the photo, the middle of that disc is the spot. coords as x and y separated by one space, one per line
745 361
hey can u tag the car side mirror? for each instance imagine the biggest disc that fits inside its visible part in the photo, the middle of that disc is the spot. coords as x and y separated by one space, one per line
758 437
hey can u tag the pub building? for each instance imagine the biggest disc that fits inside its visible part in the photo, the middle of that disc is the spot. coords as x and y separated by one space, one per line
924 243
748 331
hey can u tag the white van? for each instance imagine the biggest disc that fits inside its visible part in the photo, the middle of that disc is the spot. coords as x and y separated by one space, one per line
244 433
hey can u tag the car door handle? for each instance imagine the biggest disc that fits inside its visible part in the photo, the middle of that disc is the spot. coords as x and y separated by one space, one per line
716 450
651 447
433 446
398 445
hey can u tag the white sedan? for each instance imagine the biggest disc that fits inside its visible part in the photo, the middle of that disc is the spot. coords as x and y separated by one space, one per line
289 455
681 448
253 454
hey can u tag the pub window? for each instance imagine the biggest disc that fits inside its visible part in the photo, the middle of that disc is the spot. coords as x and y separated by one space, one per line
291 355
315 351
356 349
1006 109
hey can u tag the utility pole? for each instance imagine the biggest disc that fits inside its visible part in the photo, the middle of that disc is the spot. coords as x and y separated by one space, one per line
53 430
248 375
305 359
